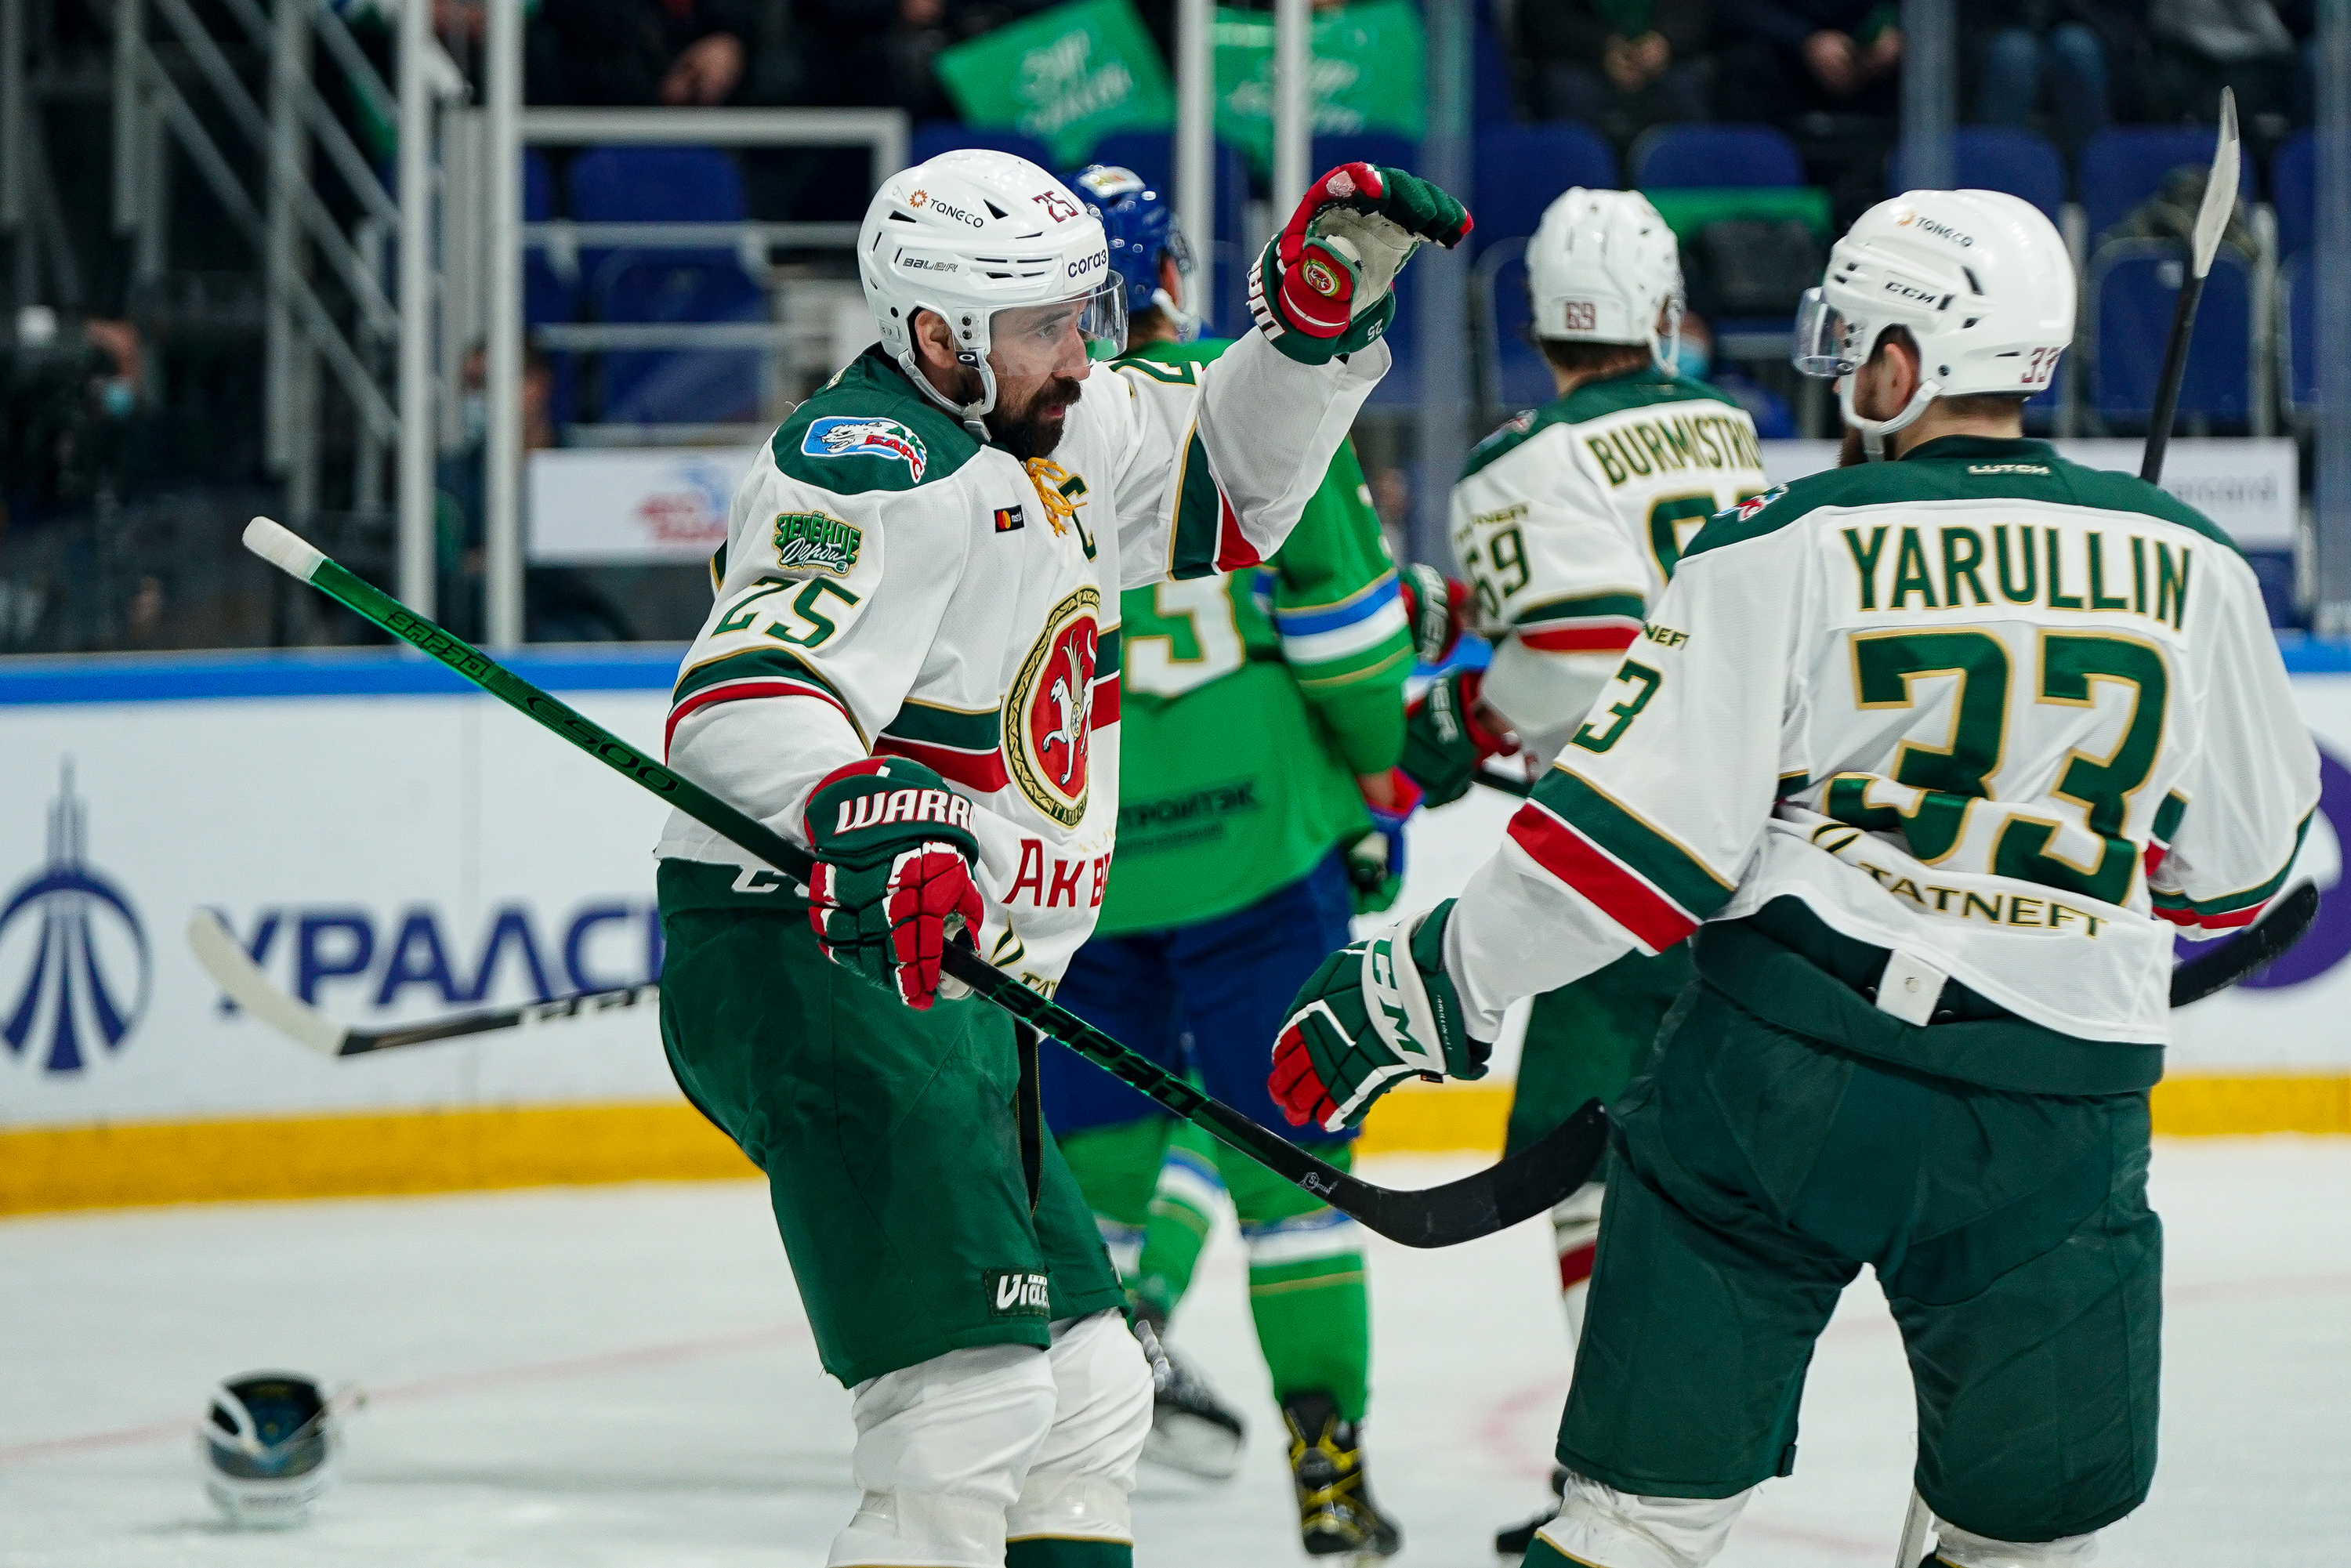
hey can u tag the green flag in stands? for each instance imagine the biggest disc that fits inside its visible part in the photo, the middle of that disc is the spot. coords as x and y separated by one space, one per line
1068 77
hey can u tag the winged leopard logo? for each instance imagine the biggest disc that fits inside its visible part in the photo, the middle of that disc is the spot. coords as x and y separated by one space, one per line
1072 697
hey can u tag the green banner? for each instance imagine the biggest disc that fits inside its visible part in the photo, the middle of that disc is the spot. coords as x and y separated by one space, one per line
1068 77
1367 74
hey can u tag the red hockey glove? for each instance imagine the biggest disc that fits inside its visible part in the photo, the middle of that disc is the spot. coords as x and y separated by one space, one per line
893 884
1323 286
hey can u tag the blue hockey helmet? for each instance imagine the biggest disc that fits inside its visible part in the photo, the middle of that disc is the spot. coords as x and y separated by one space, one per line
1142 231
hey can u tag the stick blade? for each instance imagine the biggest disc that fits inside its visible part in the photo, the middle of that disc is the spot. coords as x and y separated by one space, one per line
1529 1183
238 976
2220 189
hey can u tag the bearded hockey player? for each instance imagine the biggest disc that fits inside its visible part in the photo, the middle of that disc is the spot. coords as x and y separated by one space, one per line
1261 718
911 668
1935 754
1568 520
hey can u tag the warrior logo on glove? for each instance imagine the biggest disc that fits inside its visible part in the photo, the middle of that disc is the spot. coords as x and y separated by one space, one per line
893 885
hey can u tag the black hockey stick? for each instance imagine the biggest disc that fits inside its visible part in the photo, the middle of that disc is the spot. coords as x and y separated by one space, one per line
2264 944
243 982
2211 218
1516 1188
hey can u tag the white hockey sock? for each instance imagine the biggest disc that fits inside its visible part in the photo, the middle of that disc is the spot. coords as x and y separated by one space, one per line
1965 1549
1605 1527
1076 1486
942 1448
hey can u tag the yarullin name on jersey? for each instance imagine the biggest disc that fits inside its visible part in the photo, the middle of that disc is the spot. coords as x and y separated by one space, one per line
1956 567
419 955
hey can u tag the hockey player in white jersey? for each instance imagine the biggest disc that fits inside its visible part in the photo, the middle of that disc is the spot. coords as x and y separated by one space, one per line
912 667
1934 754
1568 521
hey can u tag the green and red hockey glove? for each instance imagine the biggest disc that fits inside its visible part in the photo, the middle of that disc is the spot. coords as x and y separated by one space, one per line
893 884
1322 288
1444 743
1376 860
1436 608
1378 1011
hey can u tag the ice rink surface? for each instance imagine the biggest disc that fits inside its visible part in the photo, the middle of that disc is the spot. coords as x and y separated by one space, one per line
620 1375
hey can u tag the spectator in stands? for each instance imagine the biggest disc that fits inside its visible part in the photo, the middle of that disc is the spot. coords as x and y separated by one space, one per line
1619 64
1789 57
2070 48
2201 45
639 52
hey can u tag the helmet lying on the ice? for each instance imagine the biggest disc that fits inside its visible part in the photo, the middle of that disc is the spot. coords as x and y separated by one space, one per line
1603 267
267 1447
1143 232
968 233
1979 278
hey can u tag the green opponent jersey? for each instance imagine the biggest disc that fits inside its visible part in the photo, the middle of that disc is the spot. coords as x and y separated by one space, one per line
1248 705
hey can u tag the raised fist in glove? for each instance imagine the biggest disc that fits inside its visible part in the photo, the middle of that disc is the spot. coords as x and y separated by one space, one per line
1444 739
1436 608
893 884
1321 288
1377 1011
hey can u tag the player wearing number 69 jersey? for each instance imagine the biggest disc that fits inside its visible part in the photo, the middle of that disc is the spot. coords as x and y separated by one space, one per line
1568 520
1934 755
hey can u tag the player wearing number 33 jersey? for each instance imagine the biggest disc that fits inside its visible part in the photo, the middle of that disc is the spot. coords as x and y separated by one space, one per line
1935 755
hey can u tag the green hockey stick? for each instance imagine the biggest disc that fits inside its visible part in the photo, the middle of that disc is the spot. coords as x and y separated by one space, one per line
1526 1184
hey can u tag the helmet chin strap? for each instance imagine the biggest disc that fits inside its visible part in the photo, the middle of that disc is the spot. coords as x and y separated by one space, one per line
1874 432
1187 325
970 414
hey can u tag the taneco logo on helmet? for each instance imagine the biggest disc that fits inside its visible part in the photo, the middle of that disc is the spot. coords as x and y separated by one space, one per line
947 210
1084 265
1939 231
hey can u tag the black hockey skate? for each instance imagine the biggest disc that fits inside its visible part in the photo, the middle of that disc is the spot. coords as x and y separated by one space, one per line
1336 1516
1191 1429
1512 1542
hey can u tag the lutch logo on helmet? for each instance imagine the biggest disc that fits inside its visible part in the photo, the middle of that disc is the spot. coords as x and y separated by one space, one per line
1049 717
848 437
73 961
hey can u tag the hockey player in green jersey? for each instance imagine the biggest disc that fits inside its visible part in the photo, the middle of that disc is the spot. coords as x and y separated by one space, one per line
912 667
1568 520
1261 718
1935 754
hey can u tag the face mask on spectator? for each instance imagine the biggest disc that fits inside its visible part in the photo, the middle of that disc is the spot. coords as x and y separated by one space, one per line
474 412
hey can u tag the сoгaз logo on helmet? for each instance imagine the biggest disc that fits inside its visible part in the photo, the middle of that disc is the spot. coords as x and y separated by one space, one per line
1049 712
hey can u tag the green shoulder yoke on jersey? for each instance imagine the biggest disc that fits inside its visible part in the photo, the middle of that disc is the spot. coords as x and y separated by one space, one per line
1199 351
869 429
1954 468
1594 400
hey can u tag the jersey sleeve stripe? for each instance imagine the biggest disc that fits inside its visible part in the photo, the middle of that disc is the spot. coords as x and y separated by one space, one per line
1614 606
1305 620
983 771
1652 919
738 690
2228 909
1350 639
1607 638
1677 872
760 673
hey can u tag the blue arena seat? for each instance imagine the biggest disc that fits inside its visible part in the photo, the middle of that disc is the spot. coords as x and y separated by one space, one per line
1152 155
2294 188
1401 386
2298 313
668 184
1511 372
933 137
1694 156
1996 158
550 294
1492 100
2122 165
2133 286
1519 170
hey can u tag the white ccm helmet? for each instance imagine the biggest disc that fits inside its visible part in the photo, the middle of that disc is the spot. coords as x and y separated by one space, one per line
1979 277
971 233
1603 267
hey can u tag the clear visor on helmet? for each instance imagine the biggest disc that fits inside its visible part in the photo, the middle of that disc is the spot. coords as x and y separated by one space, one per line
1035 339
1826 340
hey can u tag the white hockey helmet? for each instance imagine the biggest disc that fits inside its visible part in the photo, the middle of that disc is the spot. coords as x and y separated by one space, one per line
1979 277
1603 267
971 233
